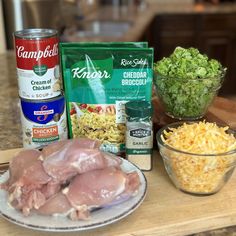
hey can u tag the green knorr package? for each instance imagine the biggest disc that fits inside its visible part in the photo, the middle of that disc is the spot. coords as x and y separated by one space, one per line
98 81
107 44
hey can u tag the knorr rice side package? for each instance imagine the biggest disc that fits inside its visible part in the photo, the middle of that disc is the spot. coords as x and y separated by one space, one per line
98 81
107 44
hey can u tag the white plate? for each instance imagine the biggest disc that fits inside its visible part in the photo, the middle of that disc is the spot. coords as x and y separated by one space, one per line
99 218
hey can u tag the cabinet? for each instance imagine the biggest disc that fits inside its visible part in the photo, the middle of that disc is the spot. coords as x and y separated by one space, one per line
2 32
172 31
213 34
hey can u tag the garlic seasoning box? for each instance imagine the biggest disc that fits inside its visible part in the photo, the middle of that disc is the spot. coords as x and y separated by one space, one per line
139 133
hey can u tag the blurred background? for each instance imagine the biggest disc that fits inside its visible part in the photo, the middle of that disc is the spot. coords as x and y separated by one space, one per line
208 25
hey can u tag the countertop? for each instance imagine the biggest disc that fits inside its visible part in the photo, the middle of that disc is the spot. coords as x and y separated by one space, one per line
141 17
10 134
10 128
165 211
190 8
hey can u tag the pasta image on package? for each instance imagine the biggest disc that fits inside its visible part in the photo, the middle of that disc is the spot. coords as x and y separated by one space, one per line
98 81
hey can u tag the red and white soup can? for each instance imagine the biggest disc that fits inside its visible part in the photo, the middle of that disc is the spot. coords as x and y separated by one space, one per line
37 60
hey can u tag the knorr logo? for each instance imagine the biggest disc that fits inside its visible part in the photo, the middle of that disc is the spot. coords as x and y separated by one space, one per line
82 73
91 71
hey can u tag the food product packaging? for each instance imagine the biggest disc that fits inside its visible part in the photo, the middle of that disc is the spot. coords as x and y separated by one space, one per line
98 80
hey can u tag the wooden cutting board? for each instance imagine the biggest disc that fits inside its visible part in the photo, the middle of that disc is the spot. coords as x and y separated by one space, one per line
222 111
165 210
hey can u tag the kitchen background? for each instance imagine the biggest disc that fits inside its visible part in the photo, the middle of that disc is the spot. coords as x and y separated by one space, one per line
208 25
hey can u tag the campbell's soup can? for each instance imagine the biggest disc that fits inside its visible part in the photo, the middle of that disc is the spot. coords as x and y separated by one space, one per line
37 62
43 121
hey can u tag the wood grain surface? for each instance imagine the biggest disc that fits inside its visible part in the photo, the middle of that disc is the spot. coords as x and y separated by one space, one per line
222 111
165 210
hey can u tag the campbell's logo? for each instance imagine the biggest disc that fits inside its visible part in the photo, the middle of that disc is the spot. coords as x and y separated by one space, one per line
31 53
48 52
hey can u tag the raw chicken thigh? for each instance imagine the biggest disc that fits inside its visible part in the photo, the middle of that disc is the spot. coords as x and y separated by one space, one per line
93 189
80 143
76 158
98 188
27 177
68 177
20 163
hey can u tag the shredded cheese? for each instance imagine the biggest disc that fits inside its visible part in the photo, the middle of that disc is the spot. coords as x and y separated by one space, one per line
201 138
202 173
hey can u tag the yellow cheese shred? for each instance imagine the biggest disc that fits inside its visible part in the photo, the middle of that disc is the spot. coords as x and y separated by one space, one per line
200 138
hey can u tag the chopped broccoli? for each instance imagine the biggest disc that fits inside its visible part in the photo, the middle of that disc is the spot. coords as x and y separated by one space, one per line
187 81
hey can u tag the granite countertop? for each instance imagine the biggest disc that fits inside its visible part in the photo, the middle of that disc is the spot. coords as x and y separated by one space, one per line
10 134
139 20
141 17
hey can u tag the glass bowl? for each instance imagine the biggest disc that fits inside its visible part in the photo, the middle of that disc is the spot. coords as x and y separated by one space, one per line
187 99
198 174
